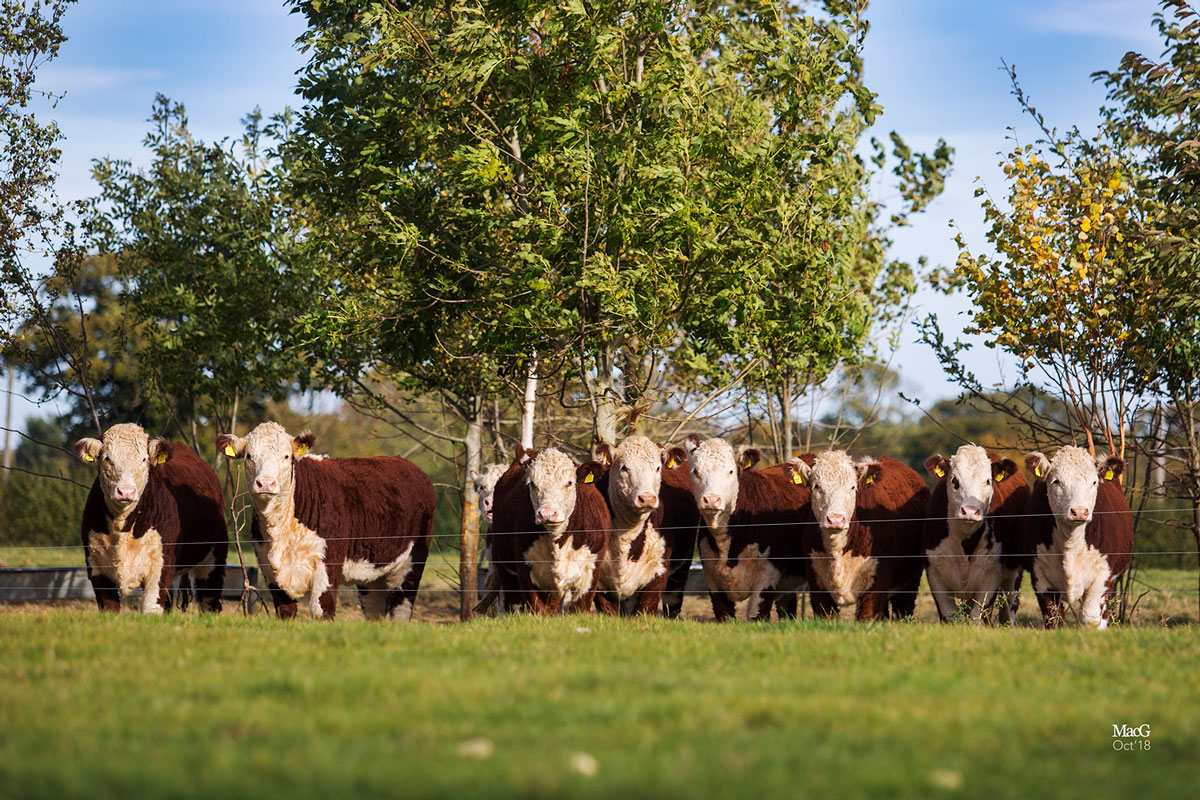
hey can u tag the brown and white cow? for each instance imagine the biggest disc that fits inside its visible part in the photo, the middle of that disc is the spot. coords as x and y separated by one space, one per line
866 545
319 521
485 489
642 550
549 530
972 522
754 521
1080 529
155 512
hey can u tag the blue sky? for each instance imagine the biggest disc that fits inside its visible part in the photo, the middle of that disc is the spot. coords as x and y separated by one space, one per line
936 65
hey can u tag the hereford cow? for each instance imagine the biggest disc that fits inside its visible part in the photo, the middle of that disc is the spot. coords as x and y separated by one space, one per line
485 489
754 520
549 529
1080 529
972 525
319 521
866 546
644 551
155 511
681 521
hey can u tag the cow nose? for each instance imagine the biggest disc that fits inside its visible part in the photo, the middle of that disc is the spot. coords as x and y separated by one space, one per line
647 500
1080 512
262 484
126 492
835 520
545 515
487 505
710 501
970 512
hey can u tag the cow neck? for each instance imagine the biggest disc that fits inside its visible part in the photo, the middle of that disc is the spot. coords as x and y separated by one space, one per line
718 531
626 527
277 513
1069 538
971 535
119 523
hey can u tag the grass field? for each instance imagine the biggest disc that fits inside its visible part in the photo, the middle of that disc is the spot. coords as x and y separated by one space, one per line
186 706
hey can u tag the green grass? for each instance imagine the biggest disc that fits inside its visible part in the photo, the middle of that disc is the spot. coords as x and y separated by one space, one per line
183 706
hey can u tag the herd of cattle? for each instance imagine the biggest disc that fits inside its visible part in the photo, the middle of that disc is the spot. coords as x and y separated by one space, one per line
618 534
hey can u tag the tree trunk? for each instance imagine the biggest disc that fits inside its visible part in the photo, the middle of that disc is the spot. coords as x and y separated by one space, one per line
530 403
606 403
785 414
469 531
8 454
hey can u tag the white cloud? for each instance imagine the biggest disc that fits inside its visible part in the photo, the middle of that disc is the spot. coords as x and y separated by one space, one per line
57 77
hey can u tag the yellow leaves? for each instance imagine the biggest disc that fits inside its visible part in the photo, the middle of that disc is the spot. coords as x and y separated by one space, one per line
1085 225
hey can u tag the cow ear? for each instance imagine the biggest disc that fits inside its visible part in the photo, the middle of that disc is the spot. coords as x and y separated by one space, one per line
1110 468
303 443
938 465
675 456
693 443
868 472
797 471
604 453
588 472
1003 468
160 450
749 457
1037 463
524 456
473 476
88 450
230 446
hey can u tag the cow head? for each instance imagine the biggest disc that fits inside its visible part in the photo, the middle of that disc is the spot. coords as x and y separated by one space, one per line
485 487
269 453
834 480
970 476
124 458
1072 480
550 476
714 476
635 477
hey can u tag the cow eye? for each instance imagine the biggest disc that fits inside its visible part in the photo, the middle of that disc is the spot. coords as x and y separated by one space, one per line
955 482
658 468
1055 482
695 471
624 468
570 484
988 482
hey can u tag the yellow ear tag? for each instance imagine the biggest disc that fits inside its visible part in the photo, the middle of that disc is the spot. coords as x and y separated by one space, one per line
941 473
162 458
88 457
302 449
870 479
1000 476
1108 476
671 464
1037 471
229 451
589 478
796 479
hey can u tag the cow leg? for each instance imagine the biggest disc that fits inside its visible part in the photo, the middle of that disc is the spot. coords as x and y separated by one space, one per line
108 596
1050 603
649 597
606 603
1094 608
210 586
823 604
787 596
400 603
903 601
758 607
156 597
723 608
1010 593
872 604
677 577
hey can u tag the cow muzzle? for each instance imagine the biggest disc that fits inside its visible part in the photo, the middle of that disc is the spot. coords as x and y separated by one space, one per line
548 516
1080 513
835 521
646 500
265 485
711 502
126 493
972 513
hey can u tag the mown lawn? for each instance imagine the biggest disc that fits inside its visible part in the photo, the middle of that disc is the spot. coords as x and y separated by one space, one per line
184 706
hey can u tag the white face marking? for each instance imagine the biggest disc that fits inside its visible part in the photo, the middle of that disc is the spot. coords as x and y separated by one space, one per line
714 477
269 455
833 480
485 487
635 477
1071 484
969 484
123 458
551 480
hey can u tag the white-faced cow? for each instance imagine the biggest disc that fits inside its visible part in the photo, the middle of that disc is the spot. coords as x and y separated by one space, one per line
155 512
549 530
1080 528
485 490
972 522
650 534
320 521
866 545
754 520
